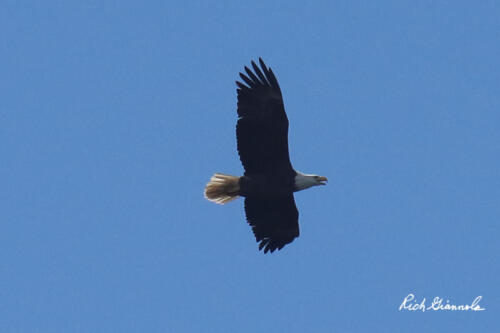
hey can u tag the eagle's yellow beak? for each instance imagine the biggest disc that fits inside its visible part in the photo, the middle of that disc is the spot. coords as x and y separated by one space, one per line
323 180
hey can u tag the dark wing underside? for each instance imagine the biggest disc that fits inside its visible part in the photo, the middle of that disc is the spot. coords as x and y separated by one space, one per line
274 221
262 128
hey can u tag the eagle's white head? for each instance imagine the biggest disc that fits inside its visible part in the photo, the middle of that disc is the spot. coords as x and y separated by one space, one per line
303 181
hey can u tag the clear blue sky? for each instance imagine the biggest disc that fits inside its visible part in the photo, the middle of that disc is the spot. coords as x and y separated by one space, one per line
114 115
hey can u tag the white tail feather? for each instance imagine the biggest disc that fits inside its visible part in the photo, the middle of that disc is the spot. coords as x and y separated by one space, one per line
222 188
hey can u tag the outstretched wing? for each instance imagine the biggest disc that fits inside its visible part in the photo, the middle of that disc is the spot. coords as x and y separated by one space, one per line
275 222
262 128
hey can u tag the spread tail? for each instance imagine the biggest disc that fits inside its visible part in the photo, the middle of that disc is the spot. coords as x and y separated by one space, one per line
222 188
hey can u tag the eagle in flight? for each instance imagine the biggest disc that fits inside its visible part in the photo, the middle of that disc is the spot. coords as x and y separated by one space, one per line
269 180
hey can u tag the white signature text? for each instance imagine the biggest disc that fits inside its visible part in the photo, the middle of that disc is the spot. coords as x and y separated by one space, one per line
411 304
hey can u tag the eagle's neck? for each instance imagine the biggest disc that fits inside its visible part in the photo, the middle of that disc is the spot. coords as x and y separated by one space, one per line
303 181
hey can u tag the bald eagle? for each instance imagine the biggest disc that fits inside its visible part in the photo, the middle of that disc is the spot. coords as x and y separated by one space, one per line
269 180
